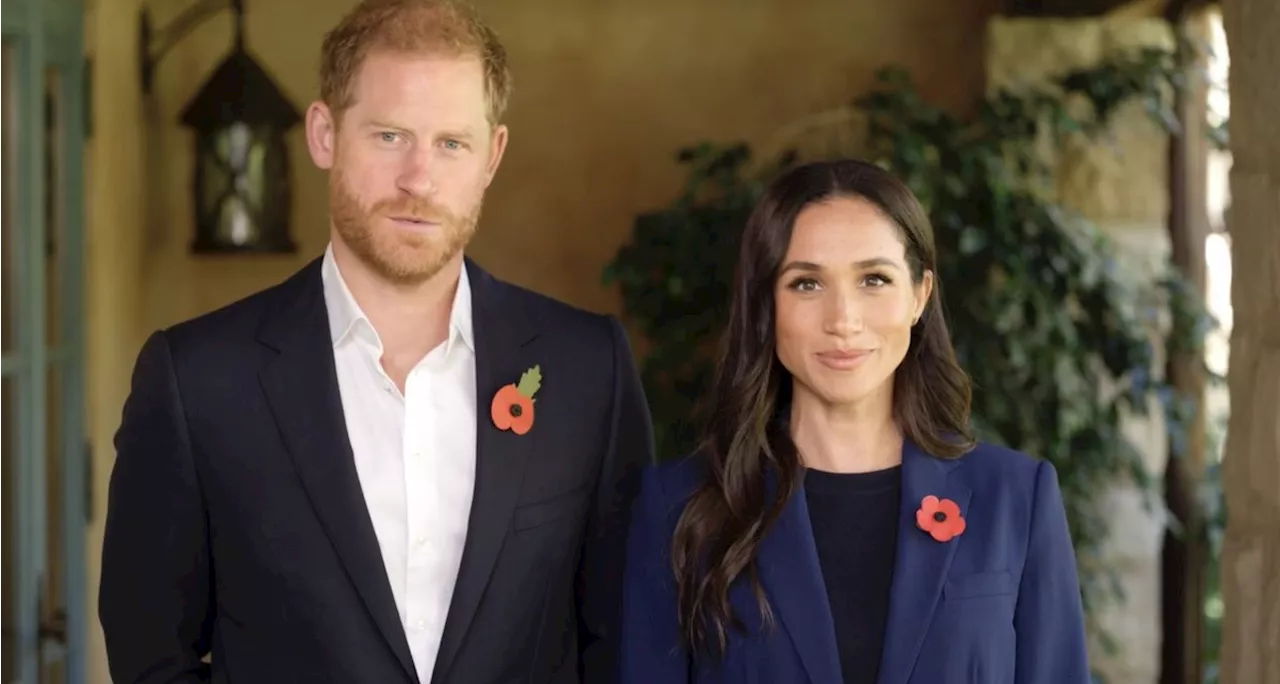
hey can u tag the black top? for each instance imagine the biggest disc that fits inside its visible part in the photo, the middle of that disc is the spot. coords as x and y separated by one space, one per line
855 525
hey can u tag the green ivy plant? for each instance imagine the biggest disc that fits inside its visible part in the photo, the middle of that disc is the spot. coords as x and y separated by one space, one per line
1058 342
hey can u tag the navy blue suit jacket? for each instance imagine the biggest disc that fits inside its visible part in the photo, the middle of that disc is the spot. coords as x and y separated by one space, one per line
998 604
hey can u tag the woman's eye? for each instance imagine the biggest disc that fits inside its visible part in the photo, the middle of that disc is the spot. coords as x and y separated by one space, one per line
804 285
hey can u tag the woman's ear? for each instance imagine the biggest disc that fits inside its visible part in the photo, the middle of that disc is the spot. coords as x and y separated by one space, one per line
923 291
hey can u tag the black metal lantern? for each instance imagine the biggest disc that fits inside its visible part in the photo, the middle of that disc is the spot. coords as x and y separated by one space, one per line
242 192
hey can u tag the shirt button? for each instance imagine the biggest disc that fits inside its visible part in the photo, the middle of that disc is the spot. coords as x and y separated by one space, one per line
420 624
420 541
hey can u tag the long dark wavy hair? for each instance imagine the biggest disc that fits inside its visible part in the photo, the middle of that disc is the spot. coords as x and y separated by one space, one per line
748 441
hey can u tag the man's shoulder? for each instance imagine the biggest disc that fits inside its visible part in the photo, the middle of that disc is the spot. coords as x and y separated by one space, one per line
239 321
557 318
542 306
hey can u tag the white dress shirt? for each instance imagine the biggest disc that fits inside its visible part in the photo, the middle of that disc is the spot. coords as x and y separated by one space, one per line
414 453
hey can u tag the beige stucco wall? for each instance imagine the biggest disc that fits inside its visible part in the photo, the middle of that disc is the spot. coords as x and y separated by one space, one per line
114 215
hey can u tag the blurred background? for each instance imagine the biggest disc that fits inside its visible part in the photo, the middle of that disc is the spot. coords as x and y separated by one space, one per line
1106 246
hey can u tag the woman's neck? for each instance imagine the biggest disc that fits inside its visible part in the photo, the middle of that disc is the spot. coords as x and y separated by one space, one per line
854 438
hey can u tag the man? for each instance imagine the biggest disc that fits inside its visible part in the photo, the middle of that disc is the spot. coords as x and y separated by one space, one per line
392 467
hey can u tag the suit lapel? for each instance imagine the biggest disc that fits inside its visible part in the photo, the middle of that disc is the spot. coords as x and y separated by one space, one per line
792 578
503 333
302 388
921 564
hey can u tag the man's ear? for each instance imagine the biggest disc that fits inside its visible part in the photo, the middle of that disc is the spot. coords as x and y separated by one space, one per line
322 134
497 146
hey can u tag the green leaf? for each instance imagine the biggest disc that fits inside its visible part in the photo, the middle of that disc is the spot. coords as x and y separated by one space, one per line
530 382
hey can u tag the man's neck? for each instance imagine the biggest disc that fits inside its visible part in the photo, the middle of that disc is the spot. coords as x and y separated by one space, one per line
410 319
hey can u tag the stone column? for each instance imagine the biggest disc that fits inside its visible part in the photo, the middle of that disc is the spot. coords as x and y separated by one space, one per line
1251 552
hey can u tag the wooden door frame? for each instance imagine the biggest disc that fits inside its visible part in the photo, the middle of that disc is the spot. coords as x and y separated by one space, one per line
47 34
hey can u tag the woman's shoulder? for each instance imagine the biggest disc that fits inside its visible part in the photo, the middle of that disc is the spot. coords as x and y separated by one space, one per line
1004 467
665 490
990 455
676 479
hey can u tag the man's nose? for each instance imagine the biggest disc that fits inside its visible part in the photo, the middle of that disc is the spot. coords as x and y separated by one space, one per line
417 176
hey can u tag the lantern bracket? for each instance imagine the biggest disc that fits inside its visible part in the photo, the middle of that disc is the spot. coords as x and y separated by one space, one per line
154 43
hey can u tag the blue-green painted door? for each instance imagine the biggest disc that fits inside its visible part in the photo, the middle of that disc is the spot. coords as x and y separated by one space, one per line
44 454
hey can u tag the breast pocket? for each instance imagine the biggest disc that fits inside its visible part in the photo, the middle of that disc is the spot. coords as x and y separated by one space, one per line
977 584
561 506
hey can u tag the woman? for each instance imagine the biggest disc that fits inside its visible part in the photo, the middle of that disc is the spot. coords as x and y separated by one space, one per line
840 524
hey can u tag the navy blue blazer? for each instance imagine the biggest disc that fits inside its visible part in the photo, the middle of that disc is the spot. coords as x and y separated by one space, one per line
1000 603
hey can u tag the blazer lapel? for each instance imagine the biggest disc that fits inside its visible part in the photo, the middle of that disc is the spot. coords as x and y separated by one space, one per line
302 388
792 577
502 331
921 564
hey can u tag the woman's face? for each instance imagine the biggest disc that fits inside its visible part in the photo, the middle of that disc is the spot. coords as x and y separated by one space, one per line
845 303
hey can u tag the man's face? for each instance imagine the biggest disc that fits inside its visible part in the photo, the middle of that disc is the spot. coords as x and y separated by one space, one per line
409 161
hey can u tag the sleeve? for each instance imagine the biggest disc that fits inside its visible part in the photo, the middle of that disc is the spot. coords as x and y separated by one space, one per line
600 577
652 648
155 602
1049 618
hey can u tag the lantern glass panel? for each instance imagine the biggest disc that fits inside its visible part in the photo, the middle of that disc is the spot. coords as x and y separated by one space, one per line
242 189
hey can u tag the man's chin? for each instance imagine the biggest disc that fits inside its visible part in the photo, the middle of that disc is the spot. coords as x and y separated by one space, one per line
412 267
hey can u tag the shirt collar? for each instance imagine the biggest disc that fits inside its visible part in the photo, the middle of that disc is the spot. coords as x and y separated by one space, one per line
348 320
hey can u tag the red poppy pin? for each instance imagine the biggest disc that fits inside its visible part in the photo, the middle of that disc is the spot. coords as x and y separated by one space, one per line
940 518
512 407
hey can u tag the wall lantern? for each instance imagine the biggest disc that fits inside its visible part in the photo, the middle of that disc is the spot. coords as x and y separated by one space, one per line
243 190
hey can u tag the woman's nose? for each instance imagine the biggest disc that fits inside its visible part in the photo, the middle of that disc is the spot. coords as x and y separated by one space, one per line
844 315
